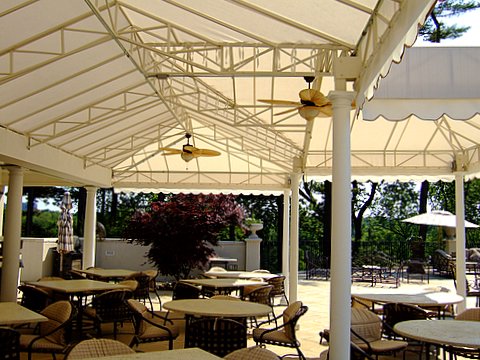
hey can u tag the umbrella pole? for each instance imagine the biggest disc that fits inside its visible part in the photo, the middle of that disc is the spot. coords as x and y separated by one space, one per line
61 264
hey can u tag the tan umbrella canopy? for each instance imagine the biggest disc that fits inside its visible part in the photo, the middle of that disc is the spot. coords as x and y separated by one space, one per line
438 218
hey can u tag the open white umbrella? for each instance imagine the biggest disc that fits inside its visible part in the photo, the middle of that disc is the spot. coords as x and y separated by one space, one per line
438 218
65 228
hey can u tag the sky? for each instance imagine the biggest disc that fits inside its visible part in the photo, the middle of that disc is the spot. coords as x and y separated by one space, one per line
470 38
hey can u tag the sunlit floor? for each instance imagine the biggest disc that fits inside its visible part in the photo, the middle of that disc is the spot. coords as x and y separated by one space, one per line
314 293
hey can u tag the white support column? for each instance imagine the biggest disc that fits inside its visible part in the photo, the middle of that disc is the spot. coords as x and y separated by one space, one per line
286 239
340 285
89 230
460 239
252 252
2 206
293 264
12 238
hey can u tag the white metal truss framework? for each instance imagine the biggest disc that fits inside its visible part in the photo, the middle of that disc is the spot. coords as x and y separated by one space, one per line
114 82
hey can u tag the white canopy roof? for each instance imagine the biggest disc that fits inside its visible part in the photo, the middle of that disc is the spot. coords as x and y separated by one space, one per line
90 91
439 85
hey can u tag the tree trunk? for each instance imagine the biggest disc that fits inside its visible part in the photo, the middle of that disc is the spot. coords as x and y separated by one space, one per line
29 215
82 204
422 232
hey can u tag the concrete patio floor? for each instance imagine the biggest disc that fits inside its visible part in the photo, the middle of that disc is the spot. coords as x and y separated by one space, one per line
315 294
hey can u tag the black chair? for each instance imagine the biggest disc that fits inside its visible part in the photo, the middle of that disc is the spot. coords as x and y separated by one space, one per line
52 336
184 290
261 295
472 288
109 307
142 292
151 326
367 333
218 336
9 344
34 298
278 290
284 334
394 313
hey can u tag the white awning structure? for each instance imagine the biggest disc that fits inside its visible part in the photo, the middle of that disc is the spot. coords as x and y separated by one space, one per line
433 98
90 91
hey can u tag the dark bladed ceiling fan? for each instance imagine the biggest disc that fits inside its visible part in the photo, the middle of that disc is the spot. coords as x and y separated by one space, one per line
188 151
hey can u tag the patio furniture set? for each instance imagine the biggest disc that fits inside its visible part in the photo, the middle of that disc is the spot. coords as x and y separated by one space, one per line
388 323
64 310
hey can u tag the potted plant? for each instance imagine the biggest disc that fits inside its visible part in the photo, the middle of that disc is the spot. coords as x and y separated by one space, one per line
253 226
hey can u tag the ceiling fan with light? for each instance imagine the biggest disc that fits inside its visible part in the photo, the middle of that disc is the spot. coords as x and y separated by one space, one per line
312 103
188 151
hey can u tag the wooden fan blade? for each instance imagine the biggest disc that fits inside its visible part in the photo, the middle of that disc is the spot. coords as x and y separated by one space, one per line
289 110
170 151
313 96
326 111
205 152
280 102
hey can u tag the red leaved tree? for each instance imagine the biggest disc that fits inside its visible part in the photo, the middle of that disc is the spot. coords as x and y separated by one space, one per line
182 229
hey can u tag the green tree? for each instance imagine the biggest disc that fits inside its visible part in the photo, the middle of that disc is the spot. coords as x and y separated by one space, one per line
182 229
362 198
435 30
269 210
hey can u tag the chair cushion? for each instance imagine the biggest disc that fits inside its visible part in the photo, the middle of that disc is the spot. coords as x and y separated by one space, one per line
384 346
273 336
41 344
366 324
288 314
151 331
252 353
96 348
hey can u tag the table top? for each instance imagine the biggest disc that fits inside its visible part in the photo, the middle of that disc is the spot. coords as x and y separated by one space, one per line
222 259
76 285
217 307
422 299
239 274
107 273
448 332
224 283
176 354
13 313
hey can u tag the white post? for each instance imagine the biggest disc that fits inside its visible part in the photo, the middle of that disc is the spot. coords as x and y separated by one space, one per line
13 233
286 239
252 250
340 285
293 264
89 230
460 240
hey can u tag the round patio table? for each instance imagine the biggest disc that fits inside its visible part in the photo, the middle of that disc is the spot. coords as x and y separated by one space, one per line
218 308
456 333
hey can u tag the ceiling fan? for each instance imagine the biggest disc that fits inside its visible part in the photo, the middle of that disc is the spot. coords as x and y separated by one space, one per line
188 151
312 103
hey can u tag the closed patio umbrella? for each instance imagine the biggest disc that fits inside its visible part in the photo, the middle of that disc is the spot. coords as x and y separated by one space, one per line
65 228
438 218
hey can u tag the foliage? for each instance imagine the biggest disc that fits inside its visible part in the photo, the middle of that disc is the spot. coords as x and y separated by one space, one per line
44 223
181 229
268 210
435 30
